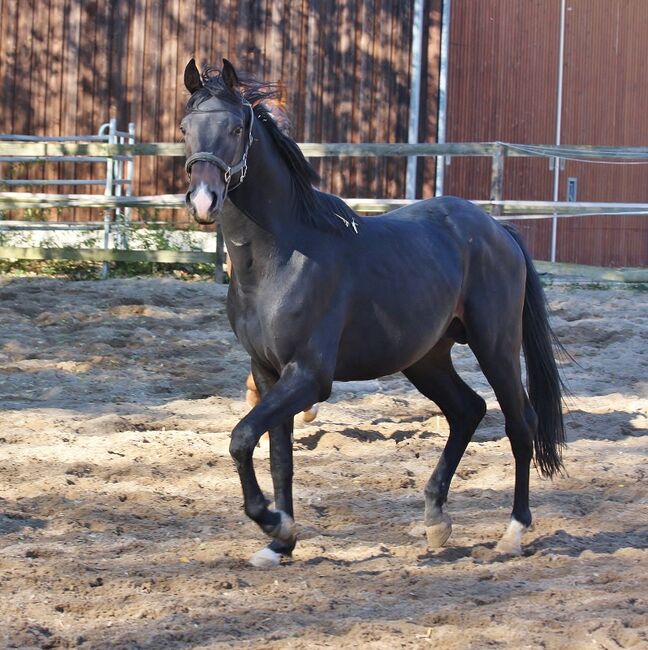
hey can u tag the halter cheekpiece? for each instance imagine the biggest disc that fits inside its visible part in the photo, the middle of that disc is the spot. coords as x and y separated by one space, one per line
228 170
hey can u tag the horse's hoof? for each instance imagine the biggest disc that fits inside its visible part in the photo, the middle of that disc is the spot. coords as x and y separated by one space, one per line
286 529
417 530
437 534
311 413
507 547
266 558
511 542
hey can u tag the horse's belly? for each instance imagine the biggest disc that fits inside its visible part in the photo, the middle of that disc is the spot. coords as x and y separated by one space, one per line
374 352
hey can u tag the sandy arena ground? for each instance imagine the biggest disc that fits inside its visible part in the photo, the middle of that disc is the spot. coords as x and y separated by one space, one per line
120 512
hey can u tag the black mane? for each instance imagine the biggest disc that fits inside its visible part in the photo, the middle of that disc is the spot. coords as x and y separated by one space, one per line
319 209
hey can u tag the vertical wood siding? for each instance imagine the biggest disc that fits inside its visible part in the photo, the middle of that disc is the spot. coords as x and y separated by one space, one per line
503 86
67 66
606 103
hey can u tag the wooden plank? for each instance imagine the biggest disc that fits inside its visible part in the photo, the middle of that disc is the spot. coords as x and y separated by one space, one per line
430 95
310 149
102 255
39 200
117 54
72 83
593 273
39 69
53 149
380 82
401 15
294 68
365 128
536 209
590 273
133 87
150 85
23 88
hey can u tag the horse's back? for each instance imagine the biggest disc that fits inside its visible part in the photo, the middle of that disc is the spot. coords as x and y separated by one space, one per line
484 242
452 213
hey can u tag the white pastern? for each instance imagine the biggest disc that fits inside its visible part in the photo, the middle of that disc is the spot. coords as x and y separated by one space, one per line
511 542
202 199
266 558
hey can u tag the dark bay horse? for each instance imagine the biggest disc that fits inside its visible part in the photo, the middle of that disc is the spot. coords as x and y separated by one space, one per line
321 294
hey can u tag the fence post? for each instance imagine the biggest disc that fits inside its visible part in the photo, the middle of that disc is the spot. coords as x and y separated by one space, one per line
497 178
219 276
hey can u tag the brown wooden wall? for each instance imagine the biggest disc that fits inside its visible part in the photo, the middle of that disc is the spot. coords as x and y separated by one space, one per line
503 86
66 66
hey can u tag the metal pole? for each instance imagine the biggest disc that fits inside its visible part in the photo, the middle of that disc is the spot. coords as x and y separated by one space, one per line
415 94
130 166
559 101
110 177
443 95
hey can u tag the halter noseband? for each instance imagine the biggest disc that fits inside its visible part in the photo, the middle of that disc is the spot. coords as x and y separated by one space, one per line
207 156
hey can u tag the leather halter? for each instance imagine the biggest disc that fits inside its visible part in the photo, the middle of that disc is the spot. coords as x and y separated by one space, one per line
228 170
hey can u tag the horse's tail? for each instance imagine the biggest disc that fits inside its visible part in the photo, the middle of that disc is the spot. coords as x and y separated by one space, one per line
543 381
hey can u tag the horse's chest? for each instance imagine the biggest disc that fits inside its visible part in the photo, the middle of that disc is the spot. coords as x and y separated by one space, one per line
259 330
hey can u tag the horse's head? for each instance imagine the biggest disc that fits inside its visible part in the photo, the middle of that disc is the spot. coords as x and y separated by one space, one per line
217 130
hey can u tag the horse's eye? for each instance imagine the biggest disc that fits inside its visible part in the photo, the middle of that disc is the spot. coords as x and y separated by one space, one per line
183 130
237 130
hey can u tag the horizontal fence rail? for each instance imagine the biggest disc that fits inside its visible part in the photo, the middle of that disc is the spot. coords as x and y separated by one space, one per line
517 209
91 149
53 150
110 255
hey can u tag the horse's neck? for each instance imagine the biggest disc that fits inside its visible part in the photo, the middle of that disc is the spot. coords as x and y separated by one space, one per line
251 249
260 221
267 193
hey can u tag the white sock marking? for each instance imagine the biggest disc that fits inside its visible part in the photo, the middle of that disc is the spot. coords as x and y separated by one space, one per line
511 541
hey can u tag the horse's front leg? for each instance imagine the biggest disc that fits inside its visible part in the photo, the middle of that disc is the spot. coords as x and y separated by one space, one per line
295 389
281 466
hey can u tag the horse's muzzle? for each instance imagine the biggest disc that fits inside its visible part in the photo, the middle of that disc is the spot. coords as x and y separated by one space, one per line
204 204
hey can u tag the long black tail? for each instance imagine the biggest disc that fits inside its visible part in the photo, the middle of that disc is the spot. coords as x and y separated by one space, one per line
544 383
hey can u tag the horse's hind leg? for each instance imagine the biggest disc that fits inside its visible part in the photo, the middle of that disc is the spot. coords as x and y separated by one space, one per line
499 359
436 378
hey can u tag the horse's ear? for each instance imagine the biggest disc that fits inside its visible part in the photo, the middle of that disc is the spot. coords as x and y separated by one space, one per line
192 79
229 75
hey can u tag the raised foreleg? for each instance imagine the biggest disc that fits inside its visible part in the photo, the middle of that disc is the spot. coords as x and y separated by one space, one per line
295 389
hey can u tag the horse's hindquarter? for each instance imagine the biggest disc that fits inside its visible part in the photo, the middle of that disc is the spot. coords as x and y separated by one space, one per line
405 275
